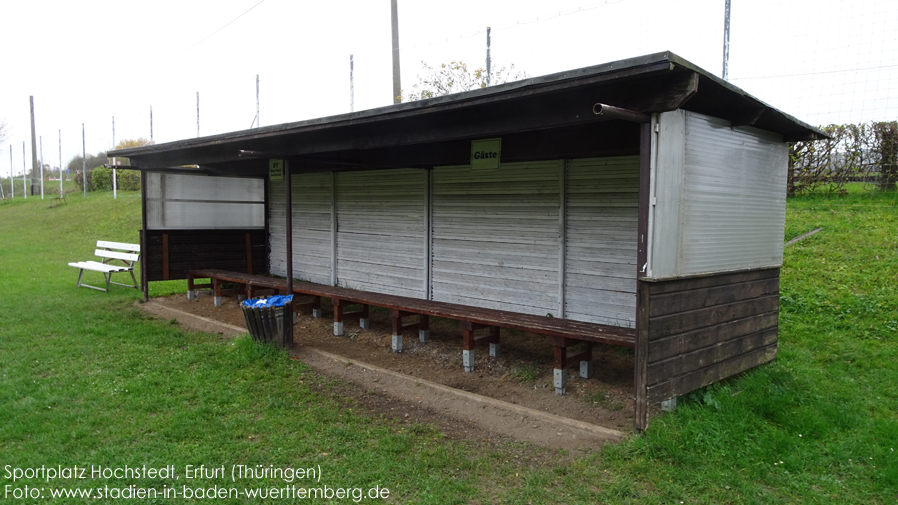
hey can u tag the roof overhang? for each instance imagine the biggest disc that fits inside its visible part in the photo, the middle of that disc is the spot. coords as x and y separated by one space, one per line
561 102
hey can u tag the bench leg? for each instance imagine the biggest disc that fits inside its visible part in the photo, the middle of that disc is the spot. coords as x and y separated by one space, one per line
216 290
364 318
424 328
78 284
396 319
559 374
338 318
587 366
467 355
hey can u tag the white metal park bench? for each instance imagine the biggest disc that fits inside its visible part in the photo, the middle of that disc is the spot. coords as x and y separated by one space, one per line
127 254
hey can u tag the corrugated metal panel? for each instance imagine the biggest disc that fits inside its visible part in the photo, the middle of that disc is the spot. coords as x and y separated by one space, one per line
496 235
312 243
181 202
381 231
733 199
601 224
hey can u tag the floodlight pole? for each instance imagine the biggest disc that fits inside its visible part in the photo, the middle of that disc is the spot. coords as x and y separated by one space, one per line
487 55
394 21
83 161
351 86
726 40
60 163
114 185
41 139
34 161
24 173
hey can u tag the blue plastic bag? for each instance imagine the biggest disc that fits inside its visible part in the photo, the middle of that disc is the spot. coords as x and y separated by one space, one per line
271 301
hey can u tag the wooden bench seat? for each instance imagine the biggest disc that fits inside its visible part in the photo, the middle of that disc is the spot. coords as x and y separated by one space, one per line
565 333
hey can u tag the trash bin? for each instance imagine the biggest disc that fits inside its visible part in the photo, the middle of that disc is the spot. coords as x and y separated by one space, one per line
265 317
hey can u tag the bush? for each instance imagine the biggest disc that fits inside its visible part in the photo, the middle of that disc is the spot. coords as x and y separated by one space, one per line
102 179
79 179
129 180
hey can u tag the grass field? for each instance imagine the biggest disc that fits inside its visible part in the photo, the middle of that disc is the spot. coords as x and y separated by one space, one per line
86 379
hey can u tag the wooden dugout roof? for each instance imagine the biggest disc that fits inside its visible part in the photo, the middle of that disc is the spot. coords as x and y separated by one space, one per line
437 131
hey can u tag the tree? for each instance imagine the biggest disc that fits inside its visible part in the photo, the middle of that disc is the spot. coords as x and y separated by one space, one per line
4 132
454 77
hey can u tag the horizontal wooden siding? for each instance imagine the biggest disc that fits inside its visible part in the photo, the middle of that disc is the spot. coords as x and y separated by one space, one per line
704 329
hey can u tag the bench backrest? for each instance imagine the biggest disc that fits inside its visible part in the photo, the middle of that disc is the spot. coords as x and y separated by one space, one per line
127 253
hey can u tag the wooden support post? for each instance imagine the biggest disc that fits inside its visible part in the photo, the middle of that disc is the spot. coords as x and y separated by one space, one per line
249 253
469 342
424 328
216 292
396 318
191 289
165 258
338 316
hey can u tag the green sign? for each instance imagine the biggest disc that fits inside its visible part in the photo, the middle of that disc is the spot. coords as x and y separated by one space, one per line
485 154
276 170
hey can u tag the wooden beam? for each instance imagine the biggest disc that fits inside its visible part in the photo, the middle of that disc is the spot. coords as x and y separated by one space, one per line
746 117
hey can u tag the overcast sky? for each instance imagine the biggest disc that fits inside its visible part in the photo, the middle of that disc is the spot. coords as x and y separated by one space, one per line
89 61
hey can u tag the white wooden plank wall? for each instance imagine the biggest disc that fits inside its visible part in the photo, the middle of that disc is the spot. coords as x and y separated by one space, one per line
601 229
496 236
311 227
381 231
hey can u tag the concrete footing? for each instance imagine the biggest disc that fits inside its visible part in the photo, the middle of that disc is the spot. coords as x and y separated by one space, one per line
467 358
494 350
397 343
338 328
560 381
316 312
364 323
669 405
587 369
240 298
217 301
423 335
191 294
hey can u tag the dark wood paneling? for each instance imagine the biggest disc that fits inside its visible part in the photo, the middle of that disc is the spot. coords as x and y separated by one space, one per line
683 342
169 254
702 377
675 302
704 329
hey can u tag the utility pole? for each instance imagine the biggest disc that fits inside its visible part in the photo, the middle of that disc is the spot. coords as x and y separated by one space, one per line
487 55
151 125
394 20
60 163
84 156
726 40
24 173
12 187
197 113
351 87
34 171
41 138
258 117
114 182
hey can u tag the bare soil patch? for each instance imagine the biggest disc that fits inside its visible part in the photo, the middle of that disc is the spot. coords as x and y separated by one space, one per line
521 375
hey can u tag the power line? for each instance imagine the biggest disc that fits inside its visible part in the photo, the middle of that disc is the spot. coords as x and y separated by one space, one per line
220 29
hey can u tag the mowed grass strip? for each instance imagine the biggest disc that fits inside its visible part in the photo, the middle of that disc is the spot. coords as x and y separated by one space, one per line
88 379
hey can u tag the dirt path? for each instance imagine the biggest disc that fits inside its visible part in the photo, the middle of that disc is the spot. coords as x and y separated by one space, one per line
510 396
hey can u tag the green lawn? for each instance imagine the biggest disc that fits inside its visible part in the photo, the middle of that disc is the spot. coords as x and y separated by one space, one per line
87 379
